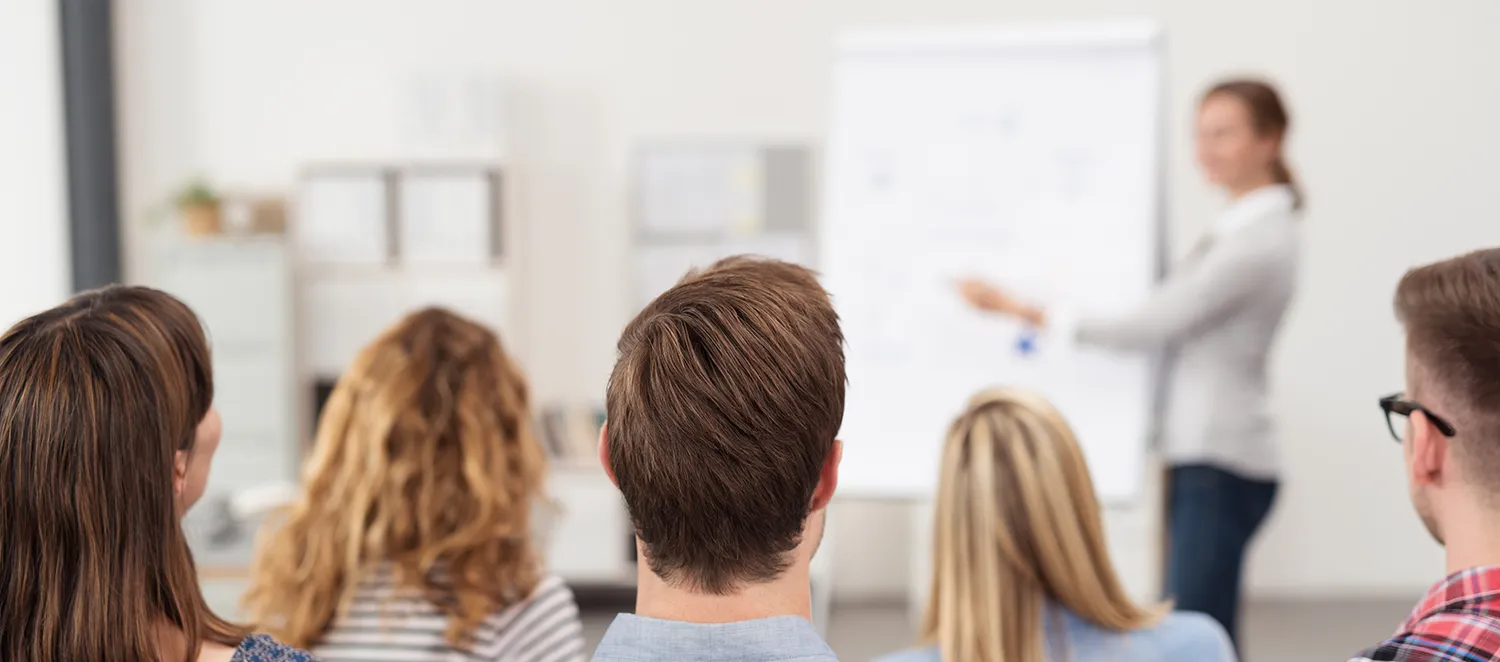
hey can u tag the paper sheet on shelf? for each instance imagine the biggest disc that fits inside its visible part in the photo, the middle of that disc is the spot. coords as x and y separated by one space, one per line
700 190
341 219
447 218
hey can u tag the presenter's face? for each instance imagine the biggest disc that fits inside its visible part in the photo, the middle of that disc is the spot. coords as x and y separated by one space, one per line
1230 151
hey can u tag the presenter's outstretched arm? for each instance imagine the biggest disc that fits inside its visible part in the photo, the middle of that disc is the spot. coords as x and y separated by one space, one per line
1184 303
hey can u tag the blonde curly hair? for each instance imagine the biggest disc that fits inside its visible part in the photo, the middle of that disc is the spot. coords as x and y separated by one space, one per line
424 460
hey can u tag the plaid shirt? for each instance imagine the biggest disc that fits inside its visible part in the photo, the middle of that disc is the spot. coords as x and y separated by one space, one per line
1458 621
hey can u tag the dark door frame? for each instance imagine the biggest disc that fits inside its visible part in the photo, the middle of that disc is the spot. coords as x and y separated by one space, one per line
88 84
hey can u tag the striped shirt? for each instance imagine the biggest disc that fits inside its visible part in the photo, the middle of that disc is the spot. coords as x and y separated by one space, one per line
383 627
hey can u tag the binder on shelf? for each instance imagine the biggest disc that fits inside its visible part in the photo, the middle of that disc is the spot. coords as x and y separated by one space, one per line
570 434
345 216
697 201
449 215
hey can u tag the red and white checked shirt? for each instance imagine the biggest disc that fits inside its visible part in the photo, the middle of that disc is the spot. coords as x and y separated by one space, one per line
1458 621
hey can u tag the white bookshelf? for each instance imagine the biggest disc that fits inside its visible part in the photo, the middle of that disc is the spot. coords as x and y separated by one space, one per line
241 289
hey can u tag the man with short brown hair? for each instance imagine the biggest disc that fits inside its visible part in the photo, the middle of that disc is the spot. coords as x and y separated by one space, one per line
1450 438
723 410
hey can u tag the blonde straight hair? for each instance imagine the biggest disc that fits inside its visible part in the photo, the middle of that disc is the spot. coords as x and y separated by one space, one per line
1018 525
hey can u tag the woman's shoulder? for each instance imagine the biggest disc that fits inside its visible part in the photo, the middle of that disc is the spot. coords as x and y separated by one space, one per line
1189 636
546 622
550 591
260 648
551 606
925 654
1180 637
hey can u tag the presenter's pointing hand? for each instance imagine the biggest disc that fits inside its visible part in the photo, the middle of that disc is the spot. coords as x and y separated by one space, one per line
984 296
987 297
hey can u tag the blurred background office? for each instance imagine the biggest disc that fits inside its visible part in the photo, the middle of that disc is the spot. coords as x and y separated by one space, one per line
183 143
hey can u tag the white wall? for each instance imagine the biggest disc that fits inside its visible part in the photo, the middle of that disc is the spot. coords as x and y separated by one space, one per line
1395 137
34 272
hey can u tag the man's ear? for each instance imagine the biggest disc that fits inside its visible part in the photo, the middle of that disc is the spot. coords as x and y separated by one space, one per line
179 473
604 454
1430 463
828 477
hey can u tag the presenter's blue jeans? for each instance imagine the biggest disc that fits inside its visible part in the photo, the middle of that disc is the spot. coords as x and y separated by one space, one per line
1211 516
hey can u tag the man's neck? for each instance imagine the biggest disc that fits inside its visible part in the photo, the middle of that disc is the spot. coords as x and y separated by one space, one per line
1472 537
787 595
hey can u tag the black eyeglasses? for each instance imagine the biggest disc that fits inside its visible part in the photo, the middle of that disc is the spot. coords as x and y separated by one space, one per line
1394 405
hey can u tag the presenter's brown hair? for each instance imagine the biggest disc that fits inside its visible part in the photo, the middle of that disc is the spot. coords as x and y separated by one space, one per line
723 408
97 397
1269 117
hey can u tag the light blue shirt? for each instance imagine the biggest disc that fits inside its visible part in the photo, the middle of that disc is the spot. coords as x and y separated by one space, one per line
1181 637
780 639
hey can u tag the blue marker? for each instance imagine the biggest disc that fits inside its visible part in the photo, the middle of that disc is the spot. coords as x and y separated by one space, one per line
1026 342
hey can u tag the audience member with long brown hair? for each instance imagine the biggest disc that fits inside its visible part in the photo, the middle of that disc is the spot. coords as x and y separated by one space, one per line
412 539
107 430
1020 569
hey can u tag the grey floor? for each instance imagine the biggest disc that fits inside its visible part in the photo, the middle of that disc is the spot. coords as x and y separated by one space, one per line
1302 631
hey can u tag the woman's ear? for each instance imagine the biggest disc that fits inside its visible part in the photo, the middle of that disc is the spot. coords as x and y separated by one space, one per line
179 473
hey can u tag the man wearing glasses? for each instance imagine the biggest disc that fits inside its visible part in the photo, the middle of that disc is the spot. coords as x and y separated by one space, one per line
1448 423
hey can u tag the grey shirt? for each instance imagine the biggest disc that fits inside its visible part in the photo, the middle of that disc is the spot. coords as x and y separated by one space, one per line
1218 314
779 639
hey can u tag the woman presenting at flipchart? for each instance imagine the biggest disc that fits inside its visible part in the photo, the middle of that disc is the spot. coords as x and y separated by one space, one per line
1219 312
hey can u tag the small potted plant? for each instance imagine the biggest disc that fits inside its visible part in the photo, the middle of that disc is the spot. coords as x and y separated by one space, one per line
200 209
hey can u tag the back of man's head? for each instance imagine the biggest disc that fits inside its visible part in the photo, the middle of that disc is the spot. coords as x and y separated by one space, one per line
1451 311
723 407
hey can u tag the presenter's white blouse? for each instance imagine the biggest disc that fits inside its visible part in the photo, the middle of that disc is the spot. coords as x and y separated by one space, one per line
1218 314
